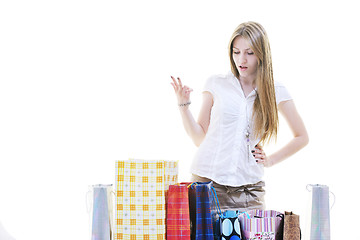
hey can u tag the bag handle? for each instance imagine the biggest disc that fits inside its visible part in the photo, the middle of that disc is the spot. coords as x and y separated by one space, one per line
218 209
217 204
246 213
312 185
192 184
334 200
87 201
213 191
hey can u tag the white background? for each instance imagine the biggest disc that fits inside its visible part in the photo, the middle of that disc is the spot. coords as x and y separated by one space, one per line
86 83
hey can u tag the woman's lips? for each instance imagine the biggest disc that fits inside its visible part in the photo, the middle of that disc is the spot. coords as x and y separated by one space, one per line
242 68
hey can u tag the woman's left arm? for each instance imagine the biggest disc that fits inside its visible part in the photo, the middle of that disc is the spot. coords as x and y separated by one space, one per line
300 140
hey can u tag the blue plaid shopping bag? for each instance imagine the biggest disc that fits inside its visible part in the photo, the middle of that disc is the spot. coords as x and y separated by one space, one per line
200 204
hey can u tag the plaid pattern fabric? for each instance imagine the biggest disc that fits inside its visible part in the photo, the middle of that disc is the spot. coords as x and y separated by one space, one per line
201 202
141 188
178 217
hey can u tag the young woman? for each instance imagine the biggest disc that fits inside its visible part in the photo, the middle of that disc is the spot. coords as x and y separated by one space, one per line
238 115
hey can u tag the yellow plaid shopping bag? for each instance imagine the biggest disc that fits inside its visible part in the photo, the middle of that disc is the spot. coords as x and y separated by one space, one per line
141 188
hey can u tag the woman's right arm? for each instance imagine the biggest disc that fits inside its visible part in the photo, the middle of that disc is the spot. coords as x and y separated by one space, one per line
195 129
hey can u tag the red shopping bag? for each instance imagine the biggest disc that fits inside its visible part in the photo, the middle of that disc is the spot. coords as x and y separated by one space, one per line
178 217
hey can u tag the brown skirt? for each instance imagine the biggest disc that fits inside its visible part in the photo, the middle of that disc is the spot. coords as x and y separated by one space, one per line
243 198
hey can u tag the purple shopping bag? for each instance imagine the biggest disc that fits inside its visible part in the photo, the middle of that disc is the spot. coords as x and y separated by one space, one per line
262 225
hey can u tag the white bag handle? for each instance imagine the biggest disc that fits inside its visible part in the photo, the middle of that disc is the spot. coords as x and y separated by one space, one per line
312 185
88 201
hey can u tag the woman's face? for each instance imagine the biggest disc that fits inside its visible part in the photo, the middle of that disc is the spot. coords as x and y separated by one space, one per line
244 58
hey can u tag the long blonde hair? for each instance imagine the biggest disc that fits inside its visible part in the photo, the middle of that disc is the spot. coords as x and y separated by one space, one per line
265 113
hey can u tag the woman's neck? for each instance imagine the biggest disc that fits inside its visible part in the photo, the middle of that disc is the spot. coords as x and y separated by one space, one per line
247 85
247 82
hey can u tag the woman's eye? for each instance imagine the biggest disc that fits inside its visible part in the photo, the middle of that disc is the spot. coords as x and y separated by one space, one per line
236 52
250 53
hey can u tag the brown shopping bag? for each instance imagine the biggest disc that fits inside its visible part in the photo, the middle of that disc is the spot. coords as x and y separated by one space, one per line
141 188
291 226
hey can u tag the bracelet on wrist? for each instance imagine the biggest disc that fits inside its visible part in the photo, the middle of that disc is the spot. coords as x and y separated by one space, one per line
184 104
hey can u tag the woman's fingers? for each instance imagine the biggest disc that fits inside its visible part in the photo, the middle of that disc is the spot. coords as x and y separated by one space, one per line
180 83
182 92
177 85
260 156
174 83
186 91
258 153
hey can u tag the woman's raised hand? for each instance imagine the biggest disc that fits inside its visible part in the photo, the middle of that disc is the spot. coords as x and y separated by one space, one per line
182 92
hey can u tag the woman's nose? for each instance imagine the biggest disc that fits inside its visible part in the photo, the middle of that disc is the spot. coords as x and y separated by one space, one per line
242 58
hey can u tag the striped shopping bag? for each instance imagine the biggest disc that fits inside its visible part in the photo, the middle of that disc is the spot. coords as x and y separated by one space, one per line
141 188
201 207
178 216
262 224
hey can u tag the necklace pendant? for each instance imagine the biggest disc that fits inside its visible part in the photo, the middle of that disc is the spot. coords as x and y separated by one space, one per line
247 135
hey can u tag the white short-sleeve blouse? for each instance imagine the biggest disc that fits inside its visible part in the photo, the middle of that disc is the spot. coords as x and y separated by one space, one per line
224 156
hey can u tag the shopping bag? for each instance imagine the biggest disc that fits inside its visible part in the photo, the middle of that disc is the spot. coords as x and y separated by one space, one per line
178 215
201 204
291 226
100 209
226 224
229 226
262 224
141 188
320 213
